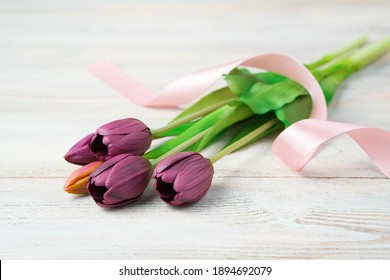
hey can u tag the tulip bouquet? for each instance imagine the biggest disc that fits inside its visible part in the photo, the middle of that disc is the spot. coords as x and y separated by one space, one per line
117 162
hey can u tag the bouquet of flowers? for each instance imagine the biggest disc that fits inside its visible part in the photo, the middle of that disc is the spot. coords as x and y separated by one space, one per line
117 162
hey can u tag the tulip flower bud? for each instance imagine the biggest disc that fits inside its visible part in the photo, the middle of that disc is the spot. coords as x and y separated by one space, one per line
80 153
127 136
119 180
183 178
78 180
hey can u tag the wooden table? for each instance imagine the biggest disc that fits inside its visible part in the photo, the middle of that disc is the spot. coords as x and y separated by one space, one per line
257 208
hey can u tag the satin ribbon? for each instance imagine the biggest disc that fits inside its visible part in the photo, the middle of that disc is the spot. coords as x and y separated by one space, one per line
297 144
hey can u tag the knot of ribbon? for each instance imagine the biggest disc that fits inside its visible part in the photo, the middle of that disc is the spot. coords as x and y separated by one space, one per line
297 144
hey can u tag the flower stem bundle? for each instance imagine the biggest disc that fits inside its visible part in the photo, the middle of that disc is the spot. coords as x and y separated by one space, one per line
118 162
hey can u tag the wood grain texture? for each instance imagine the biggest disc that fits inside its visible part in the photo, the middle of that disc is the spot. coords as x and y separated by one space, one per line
246 218
337 208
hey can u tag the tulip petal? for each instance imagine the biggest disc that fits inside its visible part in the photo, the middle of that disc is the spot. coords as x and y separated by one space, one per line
108 127
170 174
127 190
130 128
135 143
173 160
78 179
119 204
78 187
194 194
192 174
100 180
122 126
80 153
111 139
82 172
129 167
108 164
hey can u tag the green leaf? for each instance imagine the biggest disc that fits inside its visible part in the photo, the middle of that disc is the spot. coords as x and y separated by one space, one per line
269 77
236 111
247 126
263 98
174 131
295 111
330 84
213 98
190 148
195 129
193 146
240 80
300 108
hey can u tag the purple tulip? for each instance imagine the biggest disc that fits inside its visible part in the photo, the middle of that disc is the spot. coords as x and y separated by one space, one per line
80 153
183 178
119 180
127 136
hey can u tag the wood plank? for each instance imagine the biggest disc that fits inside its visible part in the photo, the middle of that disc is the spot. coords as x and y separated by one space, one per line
245 218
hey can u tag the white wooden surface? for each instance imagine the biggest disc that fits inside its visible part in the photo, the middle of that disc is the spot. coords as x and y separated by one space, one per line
337 208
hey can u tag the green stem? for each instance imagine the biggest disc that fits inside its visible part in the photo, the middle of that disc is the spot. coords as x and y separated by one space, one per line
329 57
333 66
198 127
244 140
368 54
200 113
179 148
328 69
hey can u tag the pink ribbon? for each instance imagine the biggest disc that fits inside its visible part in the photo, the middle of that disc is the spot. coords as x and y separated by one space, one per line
297 144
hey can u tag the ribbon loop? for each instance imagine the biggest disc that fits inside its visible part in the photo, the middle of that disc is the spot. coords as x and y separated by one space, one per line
297 144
